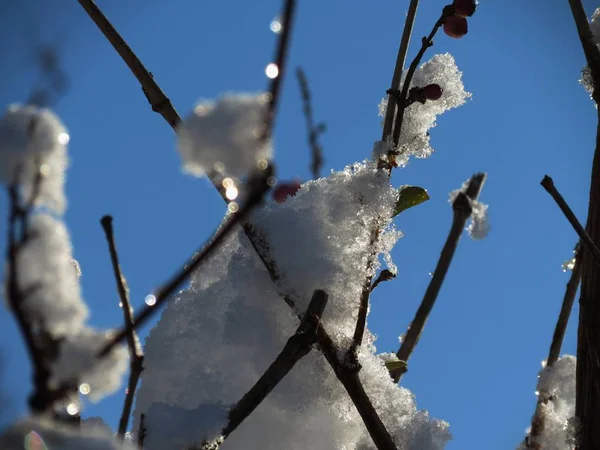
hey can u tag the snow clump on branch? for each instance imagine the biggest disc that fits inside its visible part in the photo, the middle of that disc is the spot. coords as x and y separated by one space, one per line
225 136
218 337
420 118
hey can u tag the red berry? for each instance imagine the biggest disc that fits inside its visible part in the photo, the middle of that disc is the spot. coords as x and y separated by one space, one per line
464 8
433 91
455 26
283 190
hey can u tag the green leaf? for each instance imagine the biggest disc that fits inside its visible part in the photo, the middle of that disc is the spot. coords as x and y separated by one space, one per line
392 366
408 197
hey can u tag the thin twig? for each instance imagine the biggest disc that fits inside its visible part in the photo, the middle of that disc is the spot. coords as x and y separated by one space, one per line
461 211
384 275
297 346
156 97
538 422
136 354
425 44
281 52
313 131
258 187
399 68
587 242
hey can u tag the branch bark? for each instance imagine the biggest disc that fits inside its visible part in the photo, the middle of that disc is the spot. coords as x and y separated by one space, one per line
461 211
136 354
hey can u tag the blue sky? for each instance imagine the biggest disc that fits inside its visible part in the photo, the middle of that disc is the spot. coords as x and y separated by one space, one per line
477 360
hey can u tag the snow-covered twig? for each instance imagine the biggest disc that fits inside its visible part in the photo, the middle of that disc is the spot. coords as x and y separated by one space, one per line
257 185
399 68
586 240
136 354
426 43
297 346
462 210
159 102
384 275
312 130
592 53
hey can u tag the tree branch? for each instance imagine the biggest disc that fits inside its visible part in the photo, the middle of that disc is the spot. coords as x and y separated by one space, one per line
156 97
312 131
587 242
136 354
399 68
461 211
297 346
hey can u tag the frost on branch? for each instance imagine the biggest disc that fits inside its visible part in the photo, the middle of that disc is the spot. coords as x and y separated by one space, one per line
40 433
224 136
479 225
218 337
33 139
420 118
586 75
557 384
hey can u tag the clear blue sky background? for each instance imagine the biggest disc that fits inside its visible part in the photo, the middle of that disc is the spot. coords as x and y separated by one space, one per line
477 361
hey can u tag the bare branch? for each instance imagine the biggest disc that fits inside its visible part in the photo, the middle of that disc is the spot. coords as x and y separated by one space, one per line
258 185
313 131
587 242
461 211
297 346
348 376
157 99
136 354
280 62
399 68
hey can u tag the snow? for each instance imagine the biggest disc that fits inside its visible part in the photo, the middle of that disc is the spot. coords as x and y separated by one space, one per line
34 139
46 273
557 384
37 431
225 329
420 118
586 75
479 226
223 136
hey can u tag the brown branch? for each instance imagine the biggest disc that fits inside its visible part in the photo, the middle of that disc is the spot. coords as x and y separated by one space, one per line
281 52
384 275
399 68
425 44
587 242
297 346
313 131
348 376
156 97
538 422
258 185
461 211
136 354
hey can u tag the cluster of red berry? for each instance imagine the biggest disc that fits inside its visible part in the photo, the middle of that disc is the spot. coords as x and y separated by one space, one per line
456 25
